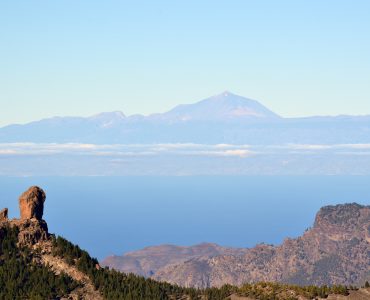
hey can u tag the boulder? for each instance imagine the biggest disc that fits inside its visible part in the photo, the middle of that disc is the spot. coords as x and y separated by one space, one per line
31 203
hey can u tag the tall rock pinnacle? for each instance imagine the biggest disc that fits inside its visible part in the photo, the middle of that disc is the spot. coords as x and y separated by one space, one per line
31 203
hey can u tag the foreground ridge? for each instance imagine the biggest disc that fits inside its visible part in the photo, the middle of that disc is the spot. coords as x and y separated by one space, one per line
35 264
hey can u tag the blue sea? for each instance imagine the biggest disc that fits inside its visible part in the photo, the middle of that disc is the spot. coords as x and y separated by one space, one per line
113 215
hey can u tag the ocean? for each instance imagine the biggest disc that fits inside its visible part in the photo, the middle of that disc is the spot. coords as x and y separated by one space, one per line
113 215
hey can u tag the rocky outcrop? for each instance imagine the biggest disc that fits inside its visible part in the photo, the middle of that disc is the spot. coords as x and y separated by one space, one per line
31 203
31 228
33 234
335 251
31 231
4 214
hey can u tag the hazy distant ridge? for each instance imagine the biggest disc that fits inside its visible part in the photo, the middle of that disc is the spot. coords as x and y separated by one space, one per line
225 118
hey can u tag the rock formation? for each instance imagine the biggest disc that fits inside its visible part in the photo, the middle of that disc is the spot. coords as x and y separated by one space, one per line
32 229
31 203
4 214
35 241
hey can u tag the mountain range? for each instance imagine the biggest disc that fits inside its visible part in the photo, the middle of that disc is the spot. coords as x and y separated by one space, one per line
336 250
223 134
224 118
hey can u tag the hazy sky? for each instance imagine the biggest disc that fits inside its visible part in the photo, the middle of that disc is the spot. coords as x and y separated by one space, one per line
81 57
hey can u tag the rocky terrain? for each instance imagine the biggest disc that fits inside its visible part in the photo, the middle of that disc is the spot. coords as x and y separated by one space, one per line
33 230
33 234
336 250
35 264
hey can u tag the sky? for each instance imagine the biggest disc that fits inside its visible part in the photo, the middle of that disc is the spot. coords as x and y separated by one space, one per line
70 57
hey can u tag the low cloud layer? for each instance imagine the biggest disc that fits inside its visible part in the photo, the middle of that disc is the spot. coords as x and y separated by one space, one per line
76 159
221 150
125 150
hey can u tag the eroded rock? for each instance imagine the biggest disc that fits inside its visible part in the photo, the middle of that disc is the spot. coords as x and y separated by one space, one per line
4 214
31 203
31 231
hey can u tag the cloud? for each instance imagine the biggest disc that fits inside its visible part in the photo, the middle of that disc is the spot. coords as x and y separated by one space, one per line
321 146
177 149
232 153
7 152
355 146
310 147
238 152
354 153
231 146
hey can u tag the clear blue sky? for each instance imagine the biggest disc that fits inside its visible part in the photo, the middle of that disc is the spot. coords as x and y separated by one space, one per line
81 57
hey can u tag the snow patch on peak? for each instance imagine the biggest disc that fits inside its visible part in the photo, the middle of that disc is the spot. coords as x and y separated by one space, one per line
108 119
109 115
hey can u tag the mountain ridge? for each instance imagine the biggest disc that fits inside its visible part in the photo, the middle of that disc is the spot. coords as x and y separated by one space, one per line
226 98
338 244
221 119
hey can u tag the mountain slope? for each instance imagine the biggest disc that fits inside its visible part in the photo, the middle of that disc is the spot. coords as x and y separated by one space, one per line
34 264
37 265
21 275
222 107
148 261
335 251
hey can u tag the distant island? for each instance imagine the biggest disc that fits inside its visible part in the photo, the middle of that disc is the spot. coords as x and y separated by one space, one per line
222 119
225 134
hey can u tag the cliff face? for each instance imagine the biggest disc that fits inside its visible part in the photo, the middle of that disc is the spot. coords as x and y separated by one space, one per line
335 251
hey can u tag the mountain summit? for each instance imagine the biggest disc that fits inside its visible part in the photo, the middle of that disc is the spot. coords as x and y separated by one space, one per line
222 119
223 107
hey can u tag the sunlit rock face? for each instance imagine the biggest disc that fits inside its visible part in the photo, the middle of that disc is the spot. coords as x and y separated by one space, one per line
32 229
31 203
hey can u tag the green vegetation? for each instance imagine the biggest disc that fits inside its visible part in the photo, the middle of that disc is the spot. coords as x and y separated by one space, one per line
113 284
116 285
277 291
21 278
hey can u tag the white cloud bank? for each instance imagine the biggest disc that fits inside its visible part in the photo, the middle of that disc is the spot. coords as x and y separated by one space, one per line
218 150
124 150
